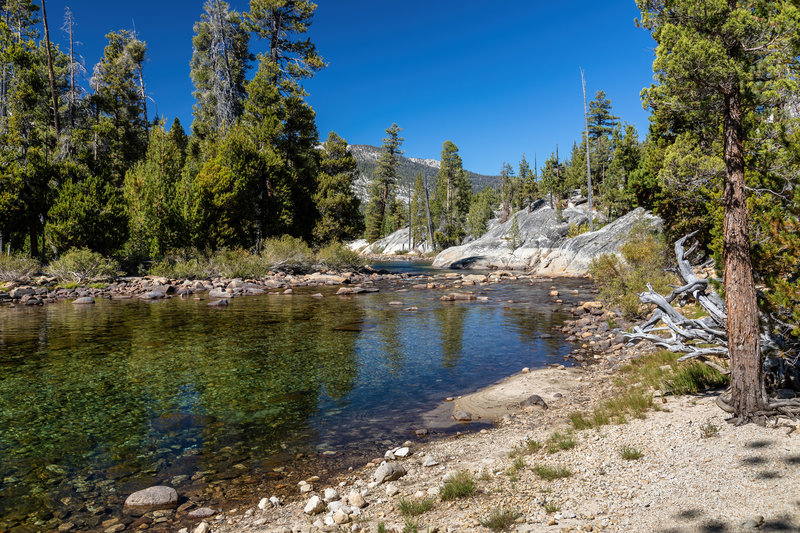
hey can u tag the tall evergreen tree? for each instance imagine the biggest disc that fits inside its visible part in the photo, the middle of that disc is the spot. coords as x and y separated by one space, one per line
601 120
339 208
382 200
419 213
119 129
281 23
453 192
729 64
220 60
151 196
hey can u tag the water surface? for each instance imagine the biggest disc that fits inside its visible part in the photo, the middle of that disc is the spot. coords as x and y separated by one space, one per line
97 401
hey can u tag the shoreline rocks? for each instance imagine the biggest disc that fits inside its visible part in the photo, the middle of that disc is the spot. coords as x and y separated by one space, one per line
151 499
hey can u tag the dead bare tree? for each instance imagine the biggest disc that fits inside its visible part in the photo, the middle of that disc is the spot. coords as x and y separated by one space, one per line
703 339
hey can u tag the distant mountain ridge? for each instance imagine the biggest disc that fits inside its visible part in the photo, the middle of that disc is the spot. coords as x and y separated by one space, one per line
367 159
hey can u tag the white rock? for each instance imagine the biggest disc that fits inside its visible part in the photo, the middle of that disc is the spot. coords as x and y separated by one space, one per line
340 517
389 455
330 494
430 461
275 501
263 503
433 491
391 490
356 499
335 506
314 506
402 452
306 488
202 527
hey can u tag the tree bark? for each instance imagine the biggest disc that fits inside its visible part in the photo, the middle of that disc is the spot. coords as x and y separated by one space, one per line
588 165
747 369
50 73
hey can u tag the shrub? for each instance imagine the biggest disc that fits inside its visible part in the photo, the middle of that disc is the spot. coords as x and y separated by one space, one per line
13 267
336 256
577 229
459 485
645 256
500 519
287 253
236 263
81 264
186 263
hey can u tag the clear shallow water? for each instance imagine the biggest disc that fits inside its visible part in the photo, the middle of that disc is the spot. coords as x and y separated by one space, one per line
97 401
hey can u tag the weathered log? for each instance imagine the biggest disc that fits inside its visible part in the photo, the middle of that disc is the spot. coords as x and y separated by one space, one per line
700 338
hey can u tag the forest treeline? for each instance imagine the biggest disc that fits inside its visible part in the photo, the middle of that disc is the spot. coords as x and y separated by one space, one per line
92 169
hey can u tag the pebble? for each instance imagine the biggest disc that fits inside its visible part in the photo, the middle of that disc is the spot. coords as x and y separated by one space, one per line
314 506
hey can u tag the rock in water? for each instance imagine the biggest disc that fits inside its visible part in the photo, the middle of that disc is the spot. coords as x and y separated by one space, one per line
389 472
151 499
83 300
202 512
219 303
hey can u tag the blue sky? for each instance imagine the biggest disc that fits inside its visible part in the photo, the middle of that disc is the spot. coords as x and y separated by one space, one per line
496 78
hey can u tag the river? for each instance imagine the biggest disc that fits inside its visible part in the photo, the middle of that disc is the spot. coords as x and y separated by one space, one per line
98 401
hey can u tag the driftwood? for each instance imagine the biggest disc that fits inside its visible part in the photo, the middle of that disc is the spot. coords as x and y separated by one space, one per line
702 339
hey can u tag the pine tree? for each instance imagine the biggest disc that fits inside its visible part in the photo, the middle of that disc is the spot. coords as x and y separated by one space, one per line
481 210
220 60
151 196
381 191
419 215
280 23
339 208
601 120
119 129
729 64
451 203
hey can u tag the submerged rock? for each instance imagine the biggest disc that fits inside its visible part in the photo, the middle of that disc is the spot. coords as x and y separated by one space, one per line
83 300
151 499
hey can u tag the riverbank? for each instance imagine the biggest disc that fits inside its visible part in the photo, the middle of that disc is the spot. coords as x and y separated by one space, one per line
682 468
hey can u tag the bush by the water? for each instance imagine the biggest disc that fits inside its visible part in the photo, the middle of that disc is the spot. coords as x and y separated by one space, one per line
336 256
80 265
13 267
645 258
285 253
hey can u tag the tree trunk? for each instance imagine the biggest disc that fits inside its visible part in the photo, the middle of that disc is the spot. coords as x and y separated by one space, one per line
588 165
747 369
34 240
430 225
50 73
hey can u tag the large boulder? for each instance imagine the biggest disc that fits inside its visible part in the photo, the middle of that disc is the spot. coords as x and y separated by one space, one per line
392 244
151 499
545 248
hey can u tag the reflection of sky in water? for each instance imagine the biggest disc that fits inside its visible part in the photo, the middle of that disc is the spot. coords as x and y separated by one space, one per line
130 386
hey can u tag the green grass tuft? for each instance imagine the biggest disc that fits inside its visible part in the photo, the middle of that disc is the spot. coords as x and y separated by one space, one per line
415 507
579 422
460 485
549 473
551 507
500 519
630 453
560 442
